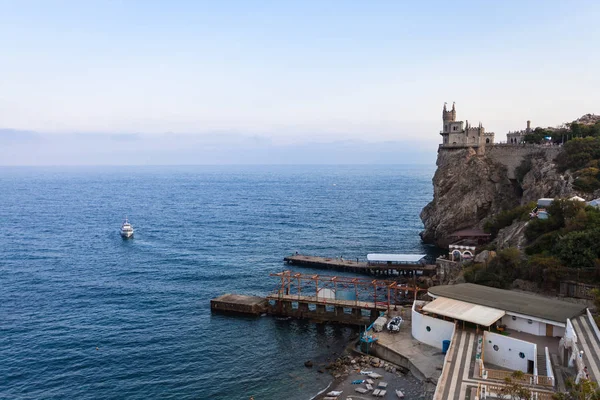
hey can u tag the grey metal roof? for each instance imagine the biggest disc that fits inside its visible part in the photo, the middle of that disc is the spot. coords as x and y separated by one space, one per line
510 301
403 258
544 202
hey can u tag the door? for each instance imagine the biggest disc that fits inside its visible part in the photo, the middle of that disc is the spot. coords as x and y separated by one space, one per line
549 332
530 367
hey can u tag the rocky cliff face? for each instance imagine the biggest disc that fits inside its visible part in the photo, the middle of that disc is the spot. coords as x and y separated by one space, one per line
469 188
543 180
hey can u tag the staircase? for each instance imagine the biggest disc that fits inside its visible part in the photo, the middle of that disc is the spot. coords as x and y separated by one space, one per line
541 365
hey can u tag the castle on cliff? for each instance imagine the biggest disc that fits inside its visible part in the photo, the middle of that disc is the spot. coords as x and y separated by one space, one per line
454 134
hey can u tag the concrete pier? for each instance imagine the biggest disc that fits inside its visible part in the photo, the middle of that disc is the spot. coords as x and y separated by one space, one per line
241 304
342 264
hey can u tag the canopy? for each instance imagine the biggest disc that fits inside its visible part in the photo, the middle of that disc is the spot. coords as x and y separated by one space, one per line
480 315
595 202
400 258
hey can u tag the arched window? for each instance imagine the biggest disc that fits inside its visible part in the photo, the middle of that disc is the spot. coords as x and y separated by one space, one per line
456 256
487 140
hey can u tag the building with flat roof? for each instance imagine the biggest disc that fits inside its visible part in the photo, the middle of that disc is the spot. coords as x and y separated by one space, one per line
513 303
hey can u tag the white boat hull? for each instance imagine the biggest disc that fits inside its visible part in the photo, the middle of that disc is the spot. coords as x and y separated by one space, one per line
126 235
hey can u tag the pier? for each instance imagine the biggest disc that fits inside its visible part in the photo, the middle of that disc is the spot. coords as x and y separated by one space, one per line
240 304
388 268
320 298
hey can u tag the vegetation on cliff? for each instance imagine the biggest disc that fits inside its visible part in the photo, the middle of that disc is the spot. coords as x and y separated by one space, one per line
581 152
582 158
562 247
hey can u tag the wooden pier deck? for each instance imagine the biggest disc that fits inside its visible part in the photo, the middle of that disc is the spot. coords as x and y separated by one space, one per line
353 265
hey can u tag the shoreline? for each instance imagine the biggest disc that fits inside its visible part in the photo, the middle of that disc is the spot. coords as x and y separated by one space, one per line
348 366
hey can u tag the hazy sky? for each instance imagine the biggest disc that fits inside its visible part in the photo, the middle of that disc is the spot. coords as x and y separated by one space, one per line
288 73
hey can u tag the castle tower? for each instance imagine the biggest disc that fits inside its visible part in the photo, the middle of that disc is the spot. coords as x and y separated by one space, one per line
447 117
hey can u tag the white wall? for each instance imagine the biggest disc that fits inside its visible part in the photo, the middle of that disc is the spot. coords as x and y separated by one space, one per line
558 331
507 355
522 325
538 328
439 329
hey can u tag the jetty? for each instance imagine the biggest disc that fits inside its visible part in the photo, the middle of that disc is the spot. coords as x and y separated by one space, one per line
240 304
376 264
347 300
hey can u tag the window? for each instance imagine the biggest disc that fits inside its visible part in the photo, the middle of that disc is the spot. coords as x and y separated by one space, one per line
487 140
428 329
453 128
496 348
529 321
514 318
522 355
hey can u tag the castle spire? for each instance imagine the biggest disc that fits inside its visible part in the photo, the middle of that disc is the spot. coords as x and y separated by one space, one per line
453 106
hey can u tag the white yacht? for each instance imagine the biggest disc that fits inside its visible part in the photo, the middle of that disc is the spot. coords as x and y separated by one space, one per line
126 229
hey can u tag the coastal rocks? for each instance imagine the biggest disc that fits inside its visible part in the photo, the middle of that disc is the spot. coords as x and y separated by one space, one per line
308 364
485 256
467 189
543 180
512 236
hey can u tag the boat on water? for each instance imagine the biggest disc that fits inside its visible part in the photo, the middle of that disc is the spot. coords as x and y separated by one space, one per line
126 229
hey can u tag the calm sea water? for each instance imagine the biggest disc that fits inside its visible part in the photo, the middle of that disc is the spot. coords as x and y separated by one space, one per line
87 315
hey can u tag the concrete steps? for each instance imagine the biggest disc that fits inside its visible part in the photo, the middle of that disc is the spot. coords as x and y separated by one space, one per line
541 365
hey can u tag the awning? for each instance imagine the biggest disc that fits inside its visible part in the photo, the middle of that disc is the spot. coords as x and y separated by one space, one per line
463 311
403 258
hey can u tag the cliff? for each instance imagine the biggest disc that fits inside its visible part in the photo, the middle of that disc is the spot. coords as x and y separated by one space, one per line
471 186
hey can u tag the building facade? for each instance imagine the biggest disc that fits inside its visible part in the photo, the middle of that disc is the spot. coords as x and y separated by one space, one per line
518 137
460 134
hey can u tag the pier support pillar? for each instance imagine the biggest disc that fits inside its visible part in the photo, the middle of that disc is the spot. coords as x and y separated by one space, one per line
287 307
339 311
374 314
320 309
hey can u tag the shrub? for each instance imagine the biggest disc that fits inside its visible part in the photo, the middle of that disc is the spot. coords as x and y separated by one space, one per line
506 218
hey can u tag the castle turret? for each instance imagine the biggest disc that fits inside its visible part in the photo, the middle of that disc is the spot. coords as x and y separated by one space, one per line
447 117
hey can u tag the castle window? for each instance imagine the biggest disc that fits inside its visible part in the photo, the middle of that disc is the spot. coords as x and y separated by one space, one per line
487 140
453 128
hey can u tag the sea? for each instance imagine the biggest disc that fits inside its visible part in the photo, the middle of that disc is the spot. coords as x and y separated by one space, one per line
85 314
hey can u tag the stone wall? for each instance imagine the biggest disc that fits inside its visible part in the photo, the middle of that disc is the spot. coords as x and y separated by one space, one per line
511 156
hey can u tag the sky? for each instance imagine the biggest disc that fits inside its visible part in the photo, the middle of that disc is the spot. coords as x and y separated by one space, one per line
178 82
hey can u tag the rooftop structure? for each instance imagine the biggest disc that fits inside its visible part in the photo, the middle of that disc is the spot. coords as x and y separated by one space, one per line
374 258
480 315
510 301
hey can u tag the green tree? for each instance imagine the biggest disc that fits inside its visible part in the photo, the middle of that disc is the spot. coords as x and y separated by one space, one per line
579 249
584 390
513 388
